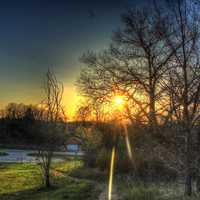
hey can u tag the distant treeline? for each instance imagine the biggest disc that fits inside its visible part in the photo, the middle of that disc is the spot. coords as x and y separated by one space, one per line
21 125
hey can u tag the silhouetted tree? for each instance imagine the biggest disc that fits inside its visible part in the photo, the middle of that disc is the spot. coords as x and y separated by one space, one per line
134 66
52 129
184 74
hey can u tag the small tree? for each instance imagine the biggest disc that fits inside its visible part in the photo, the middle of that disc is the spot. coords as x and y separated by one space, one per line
52 126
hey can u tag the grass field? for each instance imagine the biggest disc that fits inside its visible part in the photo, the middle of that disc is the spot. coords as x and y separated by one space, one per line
23 182
71 181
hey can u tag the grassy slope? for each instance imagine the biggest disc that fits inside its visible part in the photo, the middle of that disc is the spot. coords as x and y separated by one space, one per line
150 191
23 181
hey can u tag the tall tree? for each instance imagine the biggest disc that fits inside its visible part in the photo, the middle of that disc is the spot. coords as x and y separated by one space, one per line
185 75
133 65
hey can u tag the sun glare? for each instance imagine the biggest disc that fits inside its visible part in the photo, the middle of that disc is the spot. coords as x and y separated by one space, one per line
118 101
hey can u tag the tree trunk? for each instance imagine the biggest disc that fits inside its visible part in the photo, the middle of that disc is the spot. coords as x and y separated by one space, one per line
152 111
188 178
198 182
47 179
188 184
198 165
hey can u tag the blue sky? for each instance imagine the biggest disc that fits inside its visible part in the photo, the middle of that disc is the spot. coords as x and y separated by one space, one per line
37 35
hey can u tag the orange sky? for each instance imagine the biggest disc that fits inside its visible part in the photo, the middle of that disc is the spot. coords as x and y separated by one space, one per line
37 37
70 98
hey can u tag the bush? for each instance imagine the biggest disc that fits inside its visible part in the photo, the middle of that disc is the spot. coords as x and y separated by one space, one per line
154 169
123 164
141 192
103 159
90 159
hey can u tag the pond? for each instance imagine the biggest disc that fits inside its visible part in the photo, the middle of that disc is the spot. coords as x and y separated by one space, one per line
15 155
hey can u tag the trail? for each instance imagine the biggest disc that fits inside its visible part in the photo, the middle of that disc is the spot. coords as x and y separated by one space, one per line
104 194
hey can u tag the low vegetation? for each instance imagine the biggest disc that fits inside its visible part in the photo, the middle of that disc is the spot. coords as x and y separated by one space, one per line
22 181
153 191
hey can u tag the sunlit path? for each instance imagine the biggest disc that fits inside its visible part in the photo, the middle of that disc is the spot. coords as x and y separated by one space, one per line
104 194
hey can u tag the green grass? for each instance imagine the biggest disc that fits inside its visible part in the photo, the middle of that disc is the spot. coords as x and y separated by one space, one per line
139 192
15 177
23 182
90 174
72 181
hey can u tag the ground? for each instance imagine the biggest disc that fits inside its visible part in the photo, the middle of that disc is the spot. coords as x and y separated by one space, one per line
72 181
22 181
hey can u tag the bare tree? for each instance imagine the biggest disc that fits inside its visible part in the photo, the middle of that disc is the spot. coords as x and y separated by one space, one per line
83 113
52 126
90 110
154 62
134 65
184 76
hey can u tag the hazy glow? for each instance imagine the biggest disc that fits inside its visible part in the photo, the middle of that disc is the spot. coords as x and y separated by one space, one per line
118 102
70 100
128 144
112 162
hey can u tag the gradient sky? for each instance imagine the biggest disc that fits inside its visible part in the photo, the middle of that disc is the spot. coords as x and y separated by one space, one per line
37 35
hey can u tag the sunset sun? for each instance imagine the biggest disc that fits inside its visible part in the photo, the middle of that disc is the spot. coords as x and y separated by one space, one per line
118 101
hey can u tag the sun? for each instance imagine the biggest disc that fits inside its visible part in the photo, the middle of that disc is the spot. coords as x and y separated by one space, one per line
118 101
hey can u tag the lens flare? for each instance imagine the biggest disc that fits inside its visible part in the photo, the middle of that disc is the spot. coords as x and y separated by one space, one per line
110 185
128 144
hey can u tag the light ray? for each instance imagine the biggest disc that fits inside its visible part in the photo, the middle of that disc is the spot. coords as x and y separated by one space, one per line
128 144
112 162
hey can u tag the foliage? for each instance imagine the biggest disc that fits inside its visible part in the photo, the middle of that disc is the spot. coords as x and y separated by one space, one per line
91 143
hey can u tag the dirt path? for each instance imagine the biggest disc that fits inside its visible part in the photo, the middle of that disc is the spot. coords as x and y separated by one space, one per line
104 194
103 187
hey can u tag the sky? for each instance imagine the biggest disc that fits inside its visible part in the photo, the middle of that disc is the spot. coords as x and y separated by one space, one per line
40 34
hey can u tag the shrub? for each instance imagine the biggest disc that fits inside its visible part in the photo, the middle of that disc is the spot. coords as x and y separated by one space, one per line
103 159
90 159
123 164
154 169
141 192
